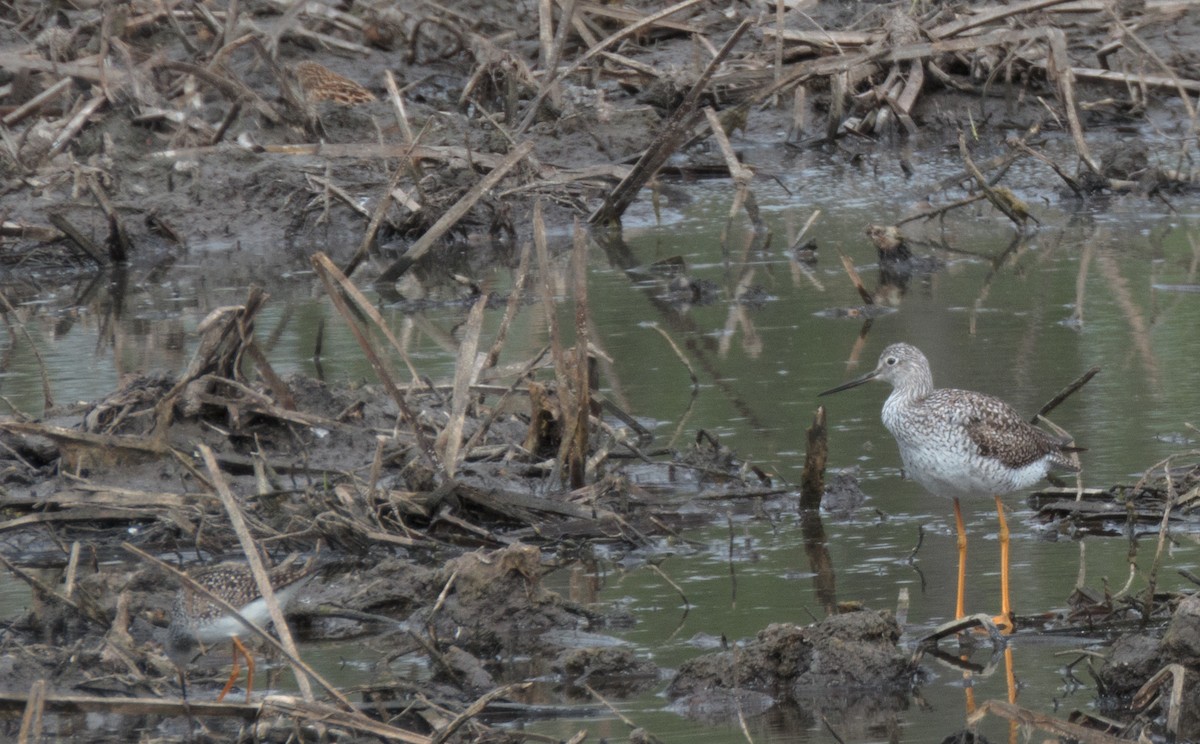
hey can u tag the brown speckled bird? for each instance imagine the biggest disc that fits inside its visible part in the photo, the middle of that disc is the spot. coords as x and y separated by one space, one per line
195 620
322 84
959 443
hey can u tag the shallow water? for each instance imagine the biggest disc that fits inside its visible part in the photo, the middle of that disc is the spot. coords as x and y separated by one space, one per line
1092 286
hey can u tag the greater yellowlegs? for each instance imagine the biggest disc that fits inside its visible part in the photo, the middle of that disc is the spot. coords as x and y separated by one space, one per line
196 620
959 443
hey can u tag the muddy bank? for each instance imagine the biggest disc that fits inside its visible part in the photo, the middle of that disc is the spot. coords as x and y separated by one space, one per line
245 142
843 666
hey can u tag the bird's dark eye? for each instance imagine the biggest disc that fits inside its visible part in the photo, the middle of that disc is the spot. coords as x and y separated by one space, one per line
891 361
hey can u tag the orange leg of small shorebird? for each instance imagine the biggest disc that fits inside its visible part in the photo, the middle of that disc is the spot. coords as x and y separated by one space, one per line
962 560
1004 620
1010 683
238 647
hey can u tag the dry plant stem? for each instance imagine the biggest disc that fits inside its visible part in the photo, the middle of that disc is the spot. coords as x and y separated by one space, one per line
1147 692
406 132
18 114
812 480
454 214
582 384
325 715
1067 179
940 211
548 308
566 19
741 715
47 590
381 209
996 200
366 307
656 569
329 274
829 66
545 31
1058 66
613 709
465 371
812 218
47 396
238 523
1031 720
682 358
234 90
673 132
855 279
513 305
1136 79
72 569
440 153
1127 34
1065 393
475 709
1164 533
483 428
73 126
990 15
555 75
742 176
108 706
332 188
729 560
32 721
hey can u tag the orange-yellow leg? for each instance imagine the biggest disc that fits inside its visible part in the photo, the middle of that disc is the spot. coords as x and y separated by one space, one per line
962 560
233 674
1010 679
1005 621
968 684
249 669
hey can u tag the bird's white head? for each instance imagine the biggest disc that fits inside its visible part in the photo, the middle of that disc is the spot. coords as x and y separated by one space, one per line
902 365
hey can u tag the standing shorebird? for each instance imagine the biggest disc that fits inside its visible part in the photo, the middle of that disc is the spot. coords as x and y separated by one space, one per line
196 620
959 443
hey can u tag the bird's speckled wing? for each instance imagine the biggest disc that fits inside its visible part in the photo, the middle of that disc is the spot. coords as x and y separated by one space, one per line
998 431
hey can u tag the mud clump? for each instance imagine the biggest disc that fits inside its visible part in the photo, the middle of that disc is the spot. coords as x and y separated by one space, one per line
786 663
1139 664
616 671
496 605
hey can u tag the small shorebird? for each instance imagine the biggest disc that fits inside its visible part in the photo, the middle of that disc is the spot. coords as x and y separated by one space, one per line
959 443
195 620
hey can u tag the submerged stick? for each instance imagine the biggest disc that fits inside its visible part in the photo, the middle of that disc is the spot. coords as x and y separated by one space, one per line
452 215
1065 393
812 481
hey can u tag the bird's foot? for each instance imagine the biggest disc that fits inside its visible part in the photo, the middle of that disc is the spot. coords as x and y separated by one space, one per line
1004 623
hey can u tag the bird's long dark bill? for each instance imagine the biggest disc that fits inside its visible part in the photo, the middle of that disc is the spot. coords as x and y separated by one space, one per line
847 385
